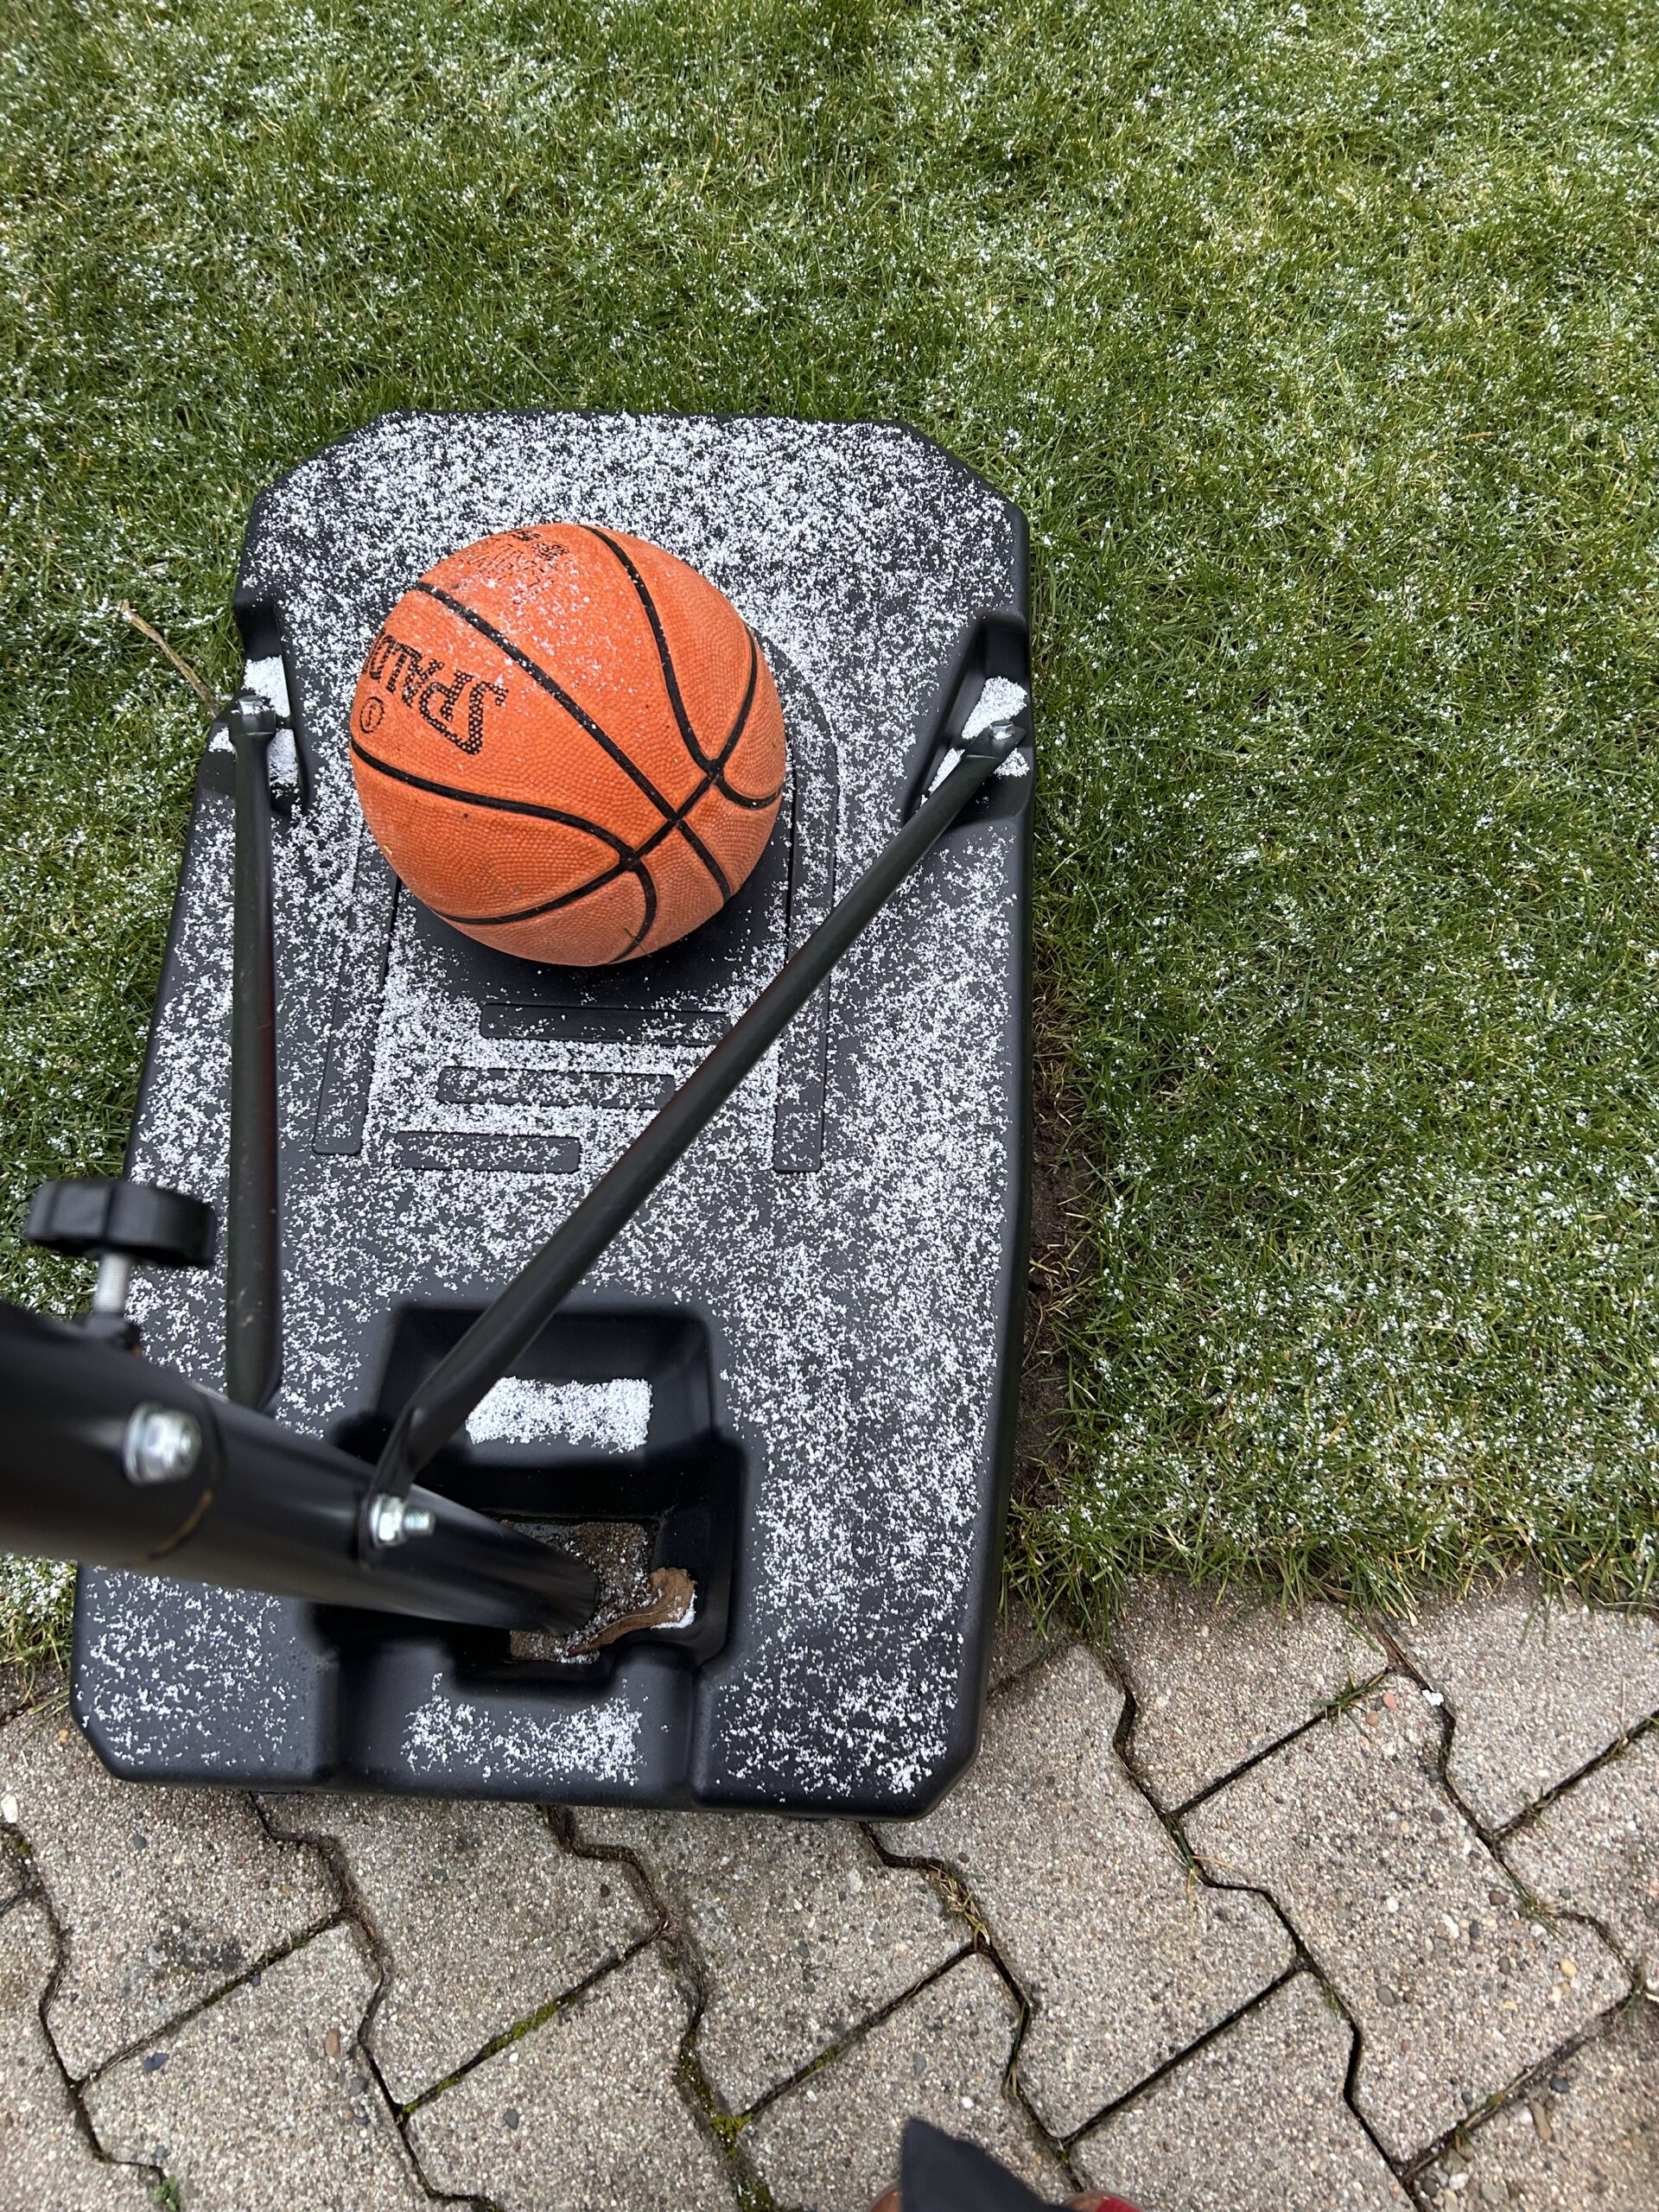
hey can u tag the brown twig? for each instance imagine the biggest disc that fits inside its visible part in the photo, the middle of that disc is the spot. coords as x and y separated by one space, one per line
130 614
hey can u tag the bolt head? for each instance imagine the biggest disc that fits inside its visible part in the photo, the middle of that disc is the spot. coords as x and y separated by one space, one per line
386 1520
162 1444
392 1519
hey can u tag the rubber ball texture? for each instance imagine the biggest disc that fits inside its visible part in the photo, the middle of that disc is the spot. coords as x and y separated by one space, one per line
567 743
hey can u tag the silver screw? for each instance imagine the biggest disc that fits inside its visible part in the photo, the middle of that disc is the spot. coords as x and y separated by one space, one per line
392 1519
160 1444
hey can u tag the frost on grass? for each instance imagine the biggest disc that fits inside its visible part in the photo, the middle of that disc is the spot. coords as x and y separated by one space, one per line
35 1598
1318 350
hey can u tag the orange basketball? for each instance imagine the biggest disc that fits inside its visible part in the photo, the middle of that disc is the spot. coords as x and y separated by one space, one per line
569 744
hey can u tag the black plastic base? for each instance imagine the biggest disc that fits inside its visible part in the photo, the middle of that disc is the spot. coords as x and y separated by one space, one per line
792 1377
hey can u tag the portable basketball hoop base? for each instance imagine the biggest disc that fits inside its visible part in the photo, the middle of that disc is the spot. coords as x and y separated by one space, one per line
784 1388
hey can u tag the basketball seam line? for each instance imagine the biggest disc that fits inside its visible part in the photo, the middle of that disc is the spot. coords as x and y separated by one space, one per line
633 866
496 804
583 720
628 857
715 764
665 660
648 885
630 861
637 852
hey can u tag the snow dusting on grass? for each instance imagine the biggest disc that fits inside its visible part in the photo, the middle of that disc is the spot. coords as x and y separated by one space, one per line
1317 345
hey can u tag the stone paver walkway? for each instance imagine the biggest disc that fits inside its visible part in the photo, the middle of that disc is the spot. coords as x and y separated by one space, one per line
1249 1911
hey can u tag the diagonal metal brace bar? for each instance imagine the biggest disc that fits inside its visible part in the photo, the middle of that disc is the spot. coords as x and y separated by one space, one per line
442 1402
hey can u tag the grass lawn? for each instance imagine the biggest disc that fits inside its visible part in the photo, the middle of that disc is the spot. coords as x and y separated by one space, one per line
1318 340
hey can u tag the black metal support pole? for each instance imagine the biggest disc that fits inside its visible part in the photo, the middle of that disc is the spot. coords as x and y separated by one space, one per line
440 1405
106 1459
253 1257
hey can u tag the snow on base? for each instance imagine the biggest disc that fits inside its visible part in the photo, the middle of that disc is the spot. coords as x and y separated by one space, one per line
855 1307
612 1416
598 1744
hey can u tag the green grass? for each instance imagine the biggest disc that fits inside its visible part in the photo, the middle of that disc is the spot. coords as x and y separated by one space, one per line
1318 341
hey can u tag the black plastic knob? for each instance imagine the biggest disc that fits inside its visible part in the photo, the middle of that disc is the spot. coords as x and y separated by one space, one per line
95 1214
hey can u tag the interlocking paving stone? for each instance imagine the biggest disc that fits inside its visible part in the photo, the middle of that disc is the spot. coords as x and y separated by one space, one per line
47 2164
1020 1641
1406 1914
263 2102
1254 2122
1595 1849
1218 1678
1586 2140
1125 1958
831 2144
582 2114
480 1916
163 1895
1535 1691
804 1932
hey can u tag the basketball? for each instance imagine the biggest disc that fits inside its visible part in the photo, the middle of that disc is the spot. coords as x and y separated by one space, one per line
568 744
